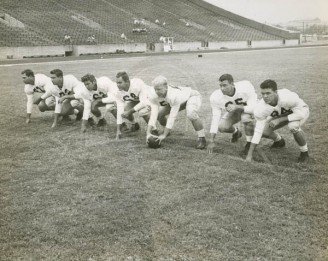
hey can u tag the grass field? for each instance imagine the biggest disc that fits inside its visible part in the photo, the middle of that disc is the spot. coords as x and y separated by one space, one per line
72 196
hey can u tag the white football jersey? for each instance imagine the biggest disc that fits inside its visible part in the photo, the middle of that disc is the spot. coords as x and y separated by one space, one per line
72 86
289 103
105 87
138 92
175 97
244 95
42 84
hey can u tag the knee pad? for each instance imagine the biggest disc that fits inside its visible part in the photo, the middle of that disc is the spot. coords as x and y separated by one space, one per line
192 115
246 118
76 103
50 102
145 111
294 127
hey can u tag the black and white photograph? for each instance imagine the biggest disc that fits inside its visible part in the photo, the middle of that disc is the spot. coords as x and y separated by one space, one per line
176 130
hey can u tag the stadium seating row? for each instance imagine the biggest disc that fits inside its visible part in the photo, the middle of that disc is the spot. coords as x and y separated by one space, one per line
46 22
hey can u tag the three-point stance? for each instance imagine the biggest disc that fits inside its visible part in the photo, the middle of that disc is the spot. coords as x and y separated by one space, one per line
169 100
37 89
102 90
279 108
132 97
71 94
232 103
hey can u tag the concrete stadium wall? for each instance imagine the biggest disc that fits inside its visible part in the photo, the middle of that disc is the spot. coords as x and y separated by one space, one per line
227 45
190 46
109 48
273 43
35 51
292 42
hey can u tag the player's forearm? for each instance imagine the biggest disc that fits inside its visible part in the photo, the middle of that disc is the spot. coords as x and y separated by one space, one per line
251 151
166 131
149 129
29 103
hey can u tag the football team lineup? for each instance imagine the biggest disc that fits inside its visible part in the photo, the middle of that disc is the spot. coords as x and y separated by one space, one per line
91 196
160 103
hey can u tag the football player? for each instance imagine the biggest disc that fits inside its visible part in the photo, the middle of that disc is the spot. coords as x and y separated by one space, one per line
71 94
276 109
37 88
132 97
232 103
169 100
101 90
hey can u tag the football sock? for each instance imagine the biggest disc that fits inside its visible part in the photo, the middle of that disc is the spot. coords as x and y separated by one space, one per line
201 133
249 138
304 148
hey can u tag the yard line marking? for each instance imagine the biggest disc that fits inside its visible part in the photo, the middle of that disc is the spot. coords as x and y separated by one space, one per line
107 59
75 61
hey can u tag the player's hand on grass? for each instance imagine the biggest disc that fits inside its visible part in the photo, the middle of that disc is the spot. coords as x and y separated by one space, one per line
210 147
249 158
84 126
118 135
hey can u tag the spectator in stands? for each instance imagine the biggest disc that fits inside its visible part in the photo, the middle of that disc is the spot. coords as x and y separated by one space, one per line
187 24
91 39
156 21
67 39
164 24
136 22
123 36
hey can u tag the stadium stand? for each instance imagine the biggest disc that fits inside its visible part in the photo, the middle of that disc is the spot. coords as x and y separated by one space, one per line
47 21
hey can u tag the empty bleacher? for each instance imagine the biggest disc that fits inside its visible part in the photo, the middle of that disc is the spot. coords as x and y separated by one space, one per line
47 21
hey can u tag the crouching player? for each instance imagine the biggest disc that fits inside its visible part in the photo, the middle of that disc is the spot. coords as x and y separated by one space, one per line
101 90
71 95
169 100
132 97
37 89
279 108
232 103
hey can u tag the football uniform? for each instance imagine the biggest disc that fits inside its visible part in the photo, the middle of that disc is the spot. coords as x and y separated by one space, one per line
289 103
244 95
176 98
42 86
105 87
136 97
72 86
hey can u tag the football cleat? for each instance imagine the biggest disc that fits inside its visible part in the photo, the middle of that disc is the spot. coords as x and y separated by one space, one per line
101 123
235 137
278 144
201 143
91 121
79 116
66 118
135 127
304 157
124 127
246 149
